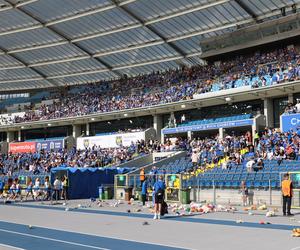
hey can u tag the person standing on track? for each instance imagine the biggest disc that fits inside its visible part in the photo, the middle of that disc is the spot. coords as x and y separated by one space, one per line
65 184
142 176
287 194
159 189
144 191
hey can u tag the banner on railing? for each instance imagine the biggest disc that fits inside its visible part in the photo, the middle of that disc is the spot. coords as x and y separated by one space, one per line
50 145
290 122
229 124
110 141
22 147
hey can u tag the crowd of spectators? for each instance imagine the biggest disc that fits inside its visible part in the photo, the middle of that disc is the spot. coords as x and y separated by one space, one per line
44 161
292 108
172 85
271 145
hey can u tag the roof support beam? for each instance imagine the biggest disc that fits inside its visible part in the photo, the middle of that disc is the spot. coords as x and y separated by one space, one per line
101 9
247 9
153 30
120 5
187 11
154 43
61 35
61 20
42 76
173 58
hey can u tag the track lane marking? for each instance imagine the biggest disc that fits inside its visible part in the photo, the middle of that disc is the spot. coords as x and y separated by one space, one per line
55 240
10 247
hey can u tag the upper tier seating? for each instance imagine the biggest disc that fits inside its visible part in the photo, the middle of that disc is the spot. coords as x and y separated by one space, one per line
216 120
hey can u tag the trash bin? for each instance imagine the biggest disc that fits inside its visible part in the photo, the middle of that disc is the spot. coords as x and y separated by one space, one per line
128 193
101 193
138 194
185 196
108 193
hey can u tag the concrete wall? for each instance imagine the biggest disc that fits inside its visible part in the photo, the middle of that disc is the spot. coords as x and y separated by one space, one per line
170 158
138 162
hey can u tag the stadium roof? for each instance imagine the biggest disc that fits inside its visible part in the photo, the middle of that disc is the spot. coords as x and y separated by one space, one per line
47 43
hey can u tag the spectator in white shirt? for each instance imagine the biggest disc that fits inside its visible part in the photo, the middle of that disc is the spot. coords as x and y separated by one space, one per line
250 164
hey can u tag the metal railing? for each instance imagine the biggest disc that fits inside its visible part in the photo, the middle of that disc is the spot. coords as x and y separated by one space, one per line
263 187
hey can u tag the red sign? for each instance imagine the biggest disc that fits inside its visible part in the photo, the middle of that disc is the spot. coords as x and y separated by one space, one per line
22 147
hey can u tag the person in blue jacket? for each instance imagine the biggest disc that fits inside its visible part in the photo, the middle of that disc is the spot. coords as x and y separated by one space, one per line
1 188
144 190
159 189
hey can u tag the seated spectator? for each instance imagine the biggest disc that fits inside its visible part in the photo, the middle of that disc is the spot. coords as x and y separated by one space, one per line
259 165
250 165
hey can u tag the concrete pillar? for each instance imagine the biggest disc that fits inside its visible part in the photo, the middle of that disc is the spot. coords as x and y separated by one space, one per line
157 125
19 135
269 112
10 136
221 133
291 98
76 130
87 129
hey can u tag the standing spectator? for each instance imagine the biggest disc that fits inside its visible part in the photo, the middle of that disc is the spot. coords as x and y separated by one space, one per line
159 189
245 193
1 188
298 106
65 184
47 190
256 138
195 159
287 194
57 188
144 191
183 118
142 176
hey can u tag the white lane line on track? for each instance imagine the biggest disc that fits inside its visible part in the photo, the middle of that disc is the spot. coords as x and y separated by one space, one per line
296 248
56 240
10 247
108 237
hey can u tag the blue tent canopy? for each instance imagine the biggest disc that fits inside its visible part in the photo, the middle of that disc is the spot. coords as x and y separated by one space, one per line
85 182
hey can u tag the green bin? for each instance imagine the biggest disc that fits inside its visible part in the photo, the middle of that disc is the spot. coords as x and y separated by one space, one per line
101 193
108 193
185 196
138 194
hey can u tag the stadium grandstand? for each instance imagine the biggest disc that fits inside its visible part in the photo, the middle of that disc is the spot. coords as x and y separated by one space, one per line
114 112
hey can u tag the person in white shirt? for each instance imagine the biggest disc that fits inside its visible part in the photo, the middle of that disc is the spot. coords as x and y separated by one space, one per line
47 191
37 191
57 188
298 106
250 164
195 159
270 155
183 118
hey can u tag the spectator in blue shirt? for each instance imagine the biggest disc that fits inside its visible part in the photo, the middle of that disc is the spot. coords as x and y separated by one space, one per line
1 188
144 190
159 189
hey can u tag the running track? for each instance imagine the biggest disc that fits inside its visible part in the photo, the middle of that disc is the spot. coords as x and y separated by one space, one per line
22 237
